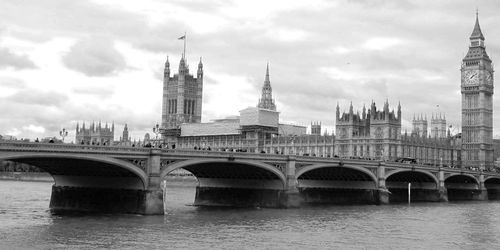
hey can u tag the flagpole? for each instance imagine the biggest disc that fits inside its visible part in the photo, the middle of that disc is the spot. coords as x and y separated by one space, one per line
185 38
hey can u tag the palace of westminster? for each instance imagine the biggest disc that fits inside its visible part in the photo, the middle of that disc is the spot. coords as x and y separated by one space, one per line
374 133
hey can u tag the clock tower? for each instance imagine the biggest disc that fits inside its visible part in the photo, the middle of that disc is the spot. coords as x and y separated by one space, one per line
477 104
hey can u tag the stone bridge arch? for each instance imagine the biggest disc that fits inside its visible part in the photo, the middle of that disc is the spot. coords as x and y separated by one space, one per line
337 183
94 183
421 175
200 162
362 170
464 186
424 185
233 182
107 166
492 185
461 176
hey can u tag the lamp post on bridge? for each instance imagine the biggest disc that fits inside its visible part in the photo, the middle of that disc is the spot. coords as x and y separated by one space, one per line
156 130
63 133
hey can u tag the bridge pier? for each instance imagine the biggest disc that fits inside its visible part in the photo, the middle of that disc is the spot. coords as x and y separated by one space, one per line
102 200
442 191
382 192
153 199
110 194
291 197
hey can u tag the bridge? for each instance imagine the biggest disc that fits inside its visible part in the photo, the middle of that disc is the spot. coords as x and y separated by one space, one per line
127 179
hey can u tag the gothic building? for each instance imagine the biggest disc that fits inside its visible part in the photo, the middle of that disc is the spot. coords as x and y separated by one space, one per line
95 134
373 133
438 126
182 98
477 103
125 139
419 126
315 128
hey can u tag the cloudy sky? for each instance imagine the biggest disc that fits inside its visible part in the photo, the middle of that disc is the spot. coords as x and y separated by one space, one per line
67 61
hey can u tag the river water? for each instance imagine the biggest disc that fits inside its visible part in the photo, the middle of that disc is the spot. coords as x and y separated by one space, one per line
26 223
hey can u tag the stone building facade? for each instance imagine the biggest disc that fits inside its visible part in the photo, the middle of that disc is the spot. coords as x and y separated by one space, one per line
96 134
371 134
477 103
182 99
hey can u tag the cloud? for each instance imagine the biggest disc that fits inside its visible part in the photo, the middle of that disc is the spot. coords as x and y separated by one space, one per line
95 57
381 43
37 97
9 59
34 129
11 82
100 92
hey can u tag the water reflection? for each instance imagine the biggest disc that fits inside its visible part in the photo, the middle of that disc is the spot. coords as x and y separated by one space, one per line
26 223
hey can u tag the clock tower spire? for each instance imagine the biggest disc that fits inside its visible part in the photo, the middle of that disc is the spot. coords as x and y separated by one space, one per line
477 103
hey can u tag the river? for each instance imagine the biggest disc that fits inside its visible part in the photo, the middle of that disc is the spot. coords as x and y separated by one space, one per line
26 223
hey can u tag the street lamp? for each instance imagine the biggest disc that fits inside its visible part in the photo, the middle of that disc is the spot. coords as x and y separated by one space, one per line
63 133
156 130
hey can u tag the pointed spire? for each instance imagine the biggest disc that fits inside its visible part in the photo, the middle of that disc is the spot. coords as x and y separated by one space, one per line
476 33
266 101
266 81
167 63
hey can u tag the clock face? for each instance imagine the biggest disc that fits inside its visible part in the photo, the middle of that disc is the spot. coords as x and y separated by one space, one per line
470 77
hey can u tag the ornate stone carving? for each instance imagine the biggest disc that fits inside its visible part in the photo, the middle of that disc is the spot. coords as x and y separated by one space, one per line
141 163
280 166
165 163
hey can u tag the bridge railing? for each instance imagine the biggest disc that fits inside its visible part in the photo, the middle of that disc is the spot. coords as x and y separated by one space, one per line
34 146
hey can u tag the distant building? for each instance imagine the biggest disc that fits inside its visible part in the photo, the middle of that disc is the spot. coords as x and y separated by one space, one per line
419 126
125 139
373 133
315 128
8 138
96 134
438 126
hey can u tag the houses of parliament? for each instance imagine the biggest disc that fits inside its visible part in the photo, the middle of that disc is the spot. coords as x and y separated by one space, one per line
373 132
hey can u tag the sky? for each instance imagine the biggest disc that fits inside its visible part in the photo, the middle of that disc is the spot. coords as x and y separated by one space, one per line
63 62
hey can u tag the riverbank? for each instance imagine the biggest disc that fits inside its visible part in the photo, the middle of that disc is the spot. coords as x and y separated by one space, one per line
26 176
172 180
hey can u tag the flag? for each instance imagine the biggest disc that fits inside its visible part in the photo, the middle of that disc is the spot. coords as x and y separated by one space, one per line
182 37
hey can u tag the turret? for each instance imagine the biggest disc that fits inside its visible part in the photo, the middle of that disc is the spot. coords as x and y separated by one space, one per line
166 73
399 110
183 69
200 69
337 114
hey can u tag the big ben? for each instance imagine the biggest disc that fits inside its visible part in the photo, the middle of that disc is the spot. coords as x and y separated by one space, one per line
477 104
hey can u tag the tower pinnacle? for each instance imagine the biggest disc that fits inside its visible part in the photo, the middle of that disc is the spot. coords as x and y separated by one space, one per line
266 101
476 33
